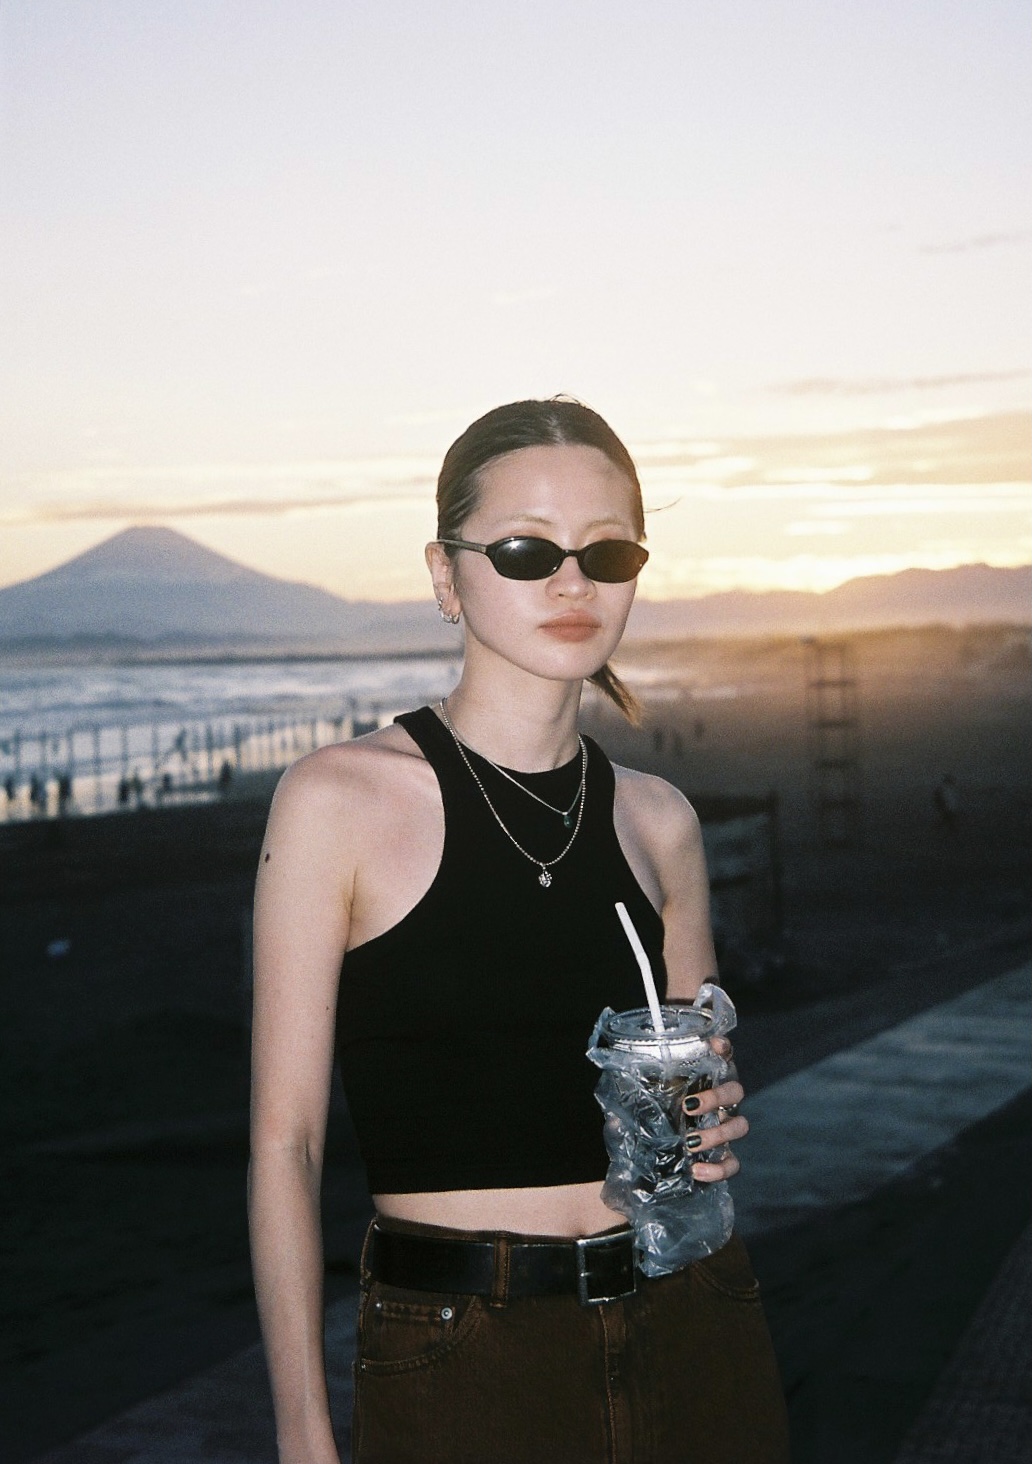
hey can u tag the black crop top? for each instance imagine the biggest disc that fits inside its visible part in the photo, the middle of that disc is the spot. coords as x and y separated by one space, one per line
461 1031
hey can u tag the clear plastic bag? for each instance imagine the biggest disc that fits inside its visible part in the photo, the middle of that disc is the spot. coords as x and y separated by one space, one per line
645 1077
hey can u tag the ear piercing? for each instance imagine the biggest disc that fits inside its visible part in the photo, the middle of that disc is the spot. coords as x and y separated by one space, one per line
451 619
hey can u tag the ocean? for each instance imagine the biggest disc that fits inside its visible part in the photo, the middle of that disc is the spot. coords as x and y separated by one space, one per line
136 734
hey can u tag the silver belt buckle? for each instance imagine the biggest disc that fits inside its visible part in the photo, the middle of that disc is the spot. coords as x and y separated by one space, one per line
584 1246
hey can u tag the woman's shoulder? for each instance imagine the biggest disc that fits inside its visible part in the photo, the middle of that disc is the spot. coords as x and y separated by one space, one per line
659 811
343 777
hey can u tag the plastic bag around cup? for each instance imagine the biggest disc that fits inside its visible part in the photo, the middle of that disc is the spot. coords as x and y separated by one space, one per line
645 1077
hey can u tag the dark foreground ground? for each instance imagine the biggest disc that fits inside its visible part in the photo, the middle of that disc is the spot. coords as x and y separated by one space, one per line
124 1074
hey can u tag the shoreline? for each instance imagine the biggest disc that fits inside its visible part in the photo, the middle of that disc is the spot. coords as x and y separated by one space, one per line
636 645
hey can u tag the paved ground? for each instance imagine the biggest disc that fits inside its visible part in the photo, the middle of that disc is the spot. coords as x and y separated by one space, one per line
980 1408
933 1152
883 1103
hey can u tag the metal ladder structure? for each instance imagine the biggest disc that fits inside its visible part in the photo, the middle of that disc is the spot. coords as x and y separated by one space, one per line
833 734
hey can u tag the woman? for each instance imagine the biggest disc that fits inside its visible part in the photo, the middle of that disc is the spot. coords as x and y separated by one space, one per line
436 901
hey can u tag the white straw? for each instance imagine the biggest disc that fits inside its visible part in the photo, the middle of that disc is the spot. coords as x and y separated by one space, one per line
652 995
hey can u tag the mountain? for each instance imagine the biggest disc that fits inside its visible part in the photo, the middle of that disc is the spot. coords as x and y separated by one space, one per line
971 594
156 586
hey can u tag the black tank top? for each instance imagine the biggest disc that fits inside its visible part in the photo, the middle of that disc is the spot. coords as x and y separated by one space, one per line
461 1031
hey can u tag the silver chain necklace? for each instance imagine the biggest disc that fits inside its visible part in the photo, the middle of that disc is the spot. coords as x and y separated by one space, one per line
566 814
544 865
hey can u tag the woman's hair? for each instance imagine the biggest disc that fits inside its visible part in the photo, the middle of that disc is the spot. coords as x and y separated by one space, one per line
557 422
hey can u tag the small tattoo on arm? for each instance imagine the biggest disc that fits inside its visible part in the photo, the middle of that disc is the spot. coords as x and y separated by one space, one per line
267 858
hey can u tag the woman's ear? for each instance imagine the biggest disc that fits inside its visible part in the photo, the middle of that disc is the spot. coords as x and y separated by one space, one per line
442 572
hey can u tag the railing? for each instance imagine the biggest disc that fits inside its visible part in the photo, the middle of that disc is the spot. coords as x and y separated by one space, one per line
93 768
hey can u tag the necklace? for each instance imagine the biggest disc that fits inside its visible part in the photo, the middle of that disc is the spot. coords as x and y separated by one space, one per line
544 865
566 814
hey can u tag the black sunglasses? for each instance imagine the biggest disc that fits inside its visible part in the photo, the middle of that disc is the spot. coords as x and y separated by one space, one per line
521 557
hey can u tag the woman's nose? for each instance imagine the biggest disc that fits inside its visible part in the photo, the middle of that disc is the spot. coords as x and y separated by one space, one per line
570 580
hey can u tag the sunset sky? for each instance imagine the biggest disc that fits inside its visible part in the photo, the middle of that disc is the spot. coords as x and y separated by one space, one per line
263 261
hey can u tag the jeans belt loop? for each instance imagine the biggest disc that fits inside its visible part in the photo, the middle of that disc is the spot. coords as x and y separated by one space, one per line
500 1277
584 1247
364 1265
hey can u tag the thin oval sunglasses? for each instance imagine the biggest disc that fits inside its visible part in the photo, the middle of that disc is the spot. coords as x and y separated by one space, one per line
523 557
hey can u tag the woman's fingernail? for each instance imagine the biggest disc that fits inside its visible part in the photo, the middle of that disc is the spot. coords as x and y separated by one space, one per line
690 1105
693 1141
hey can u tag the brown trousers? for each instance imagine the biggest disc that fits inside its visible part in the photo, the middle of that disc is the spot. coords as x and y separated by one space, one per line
682 1372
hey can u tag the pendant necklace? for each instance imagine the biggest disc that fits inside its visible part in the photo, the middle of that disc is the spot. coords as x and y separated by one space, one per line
544 865
566 814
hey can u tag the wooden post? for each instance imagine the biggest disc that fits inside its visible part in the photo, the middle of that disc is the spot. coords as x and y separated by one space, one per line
97 769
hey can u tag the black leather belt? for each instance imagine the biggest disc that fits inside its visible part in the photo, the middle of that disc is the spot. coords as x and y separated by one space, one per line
594 1268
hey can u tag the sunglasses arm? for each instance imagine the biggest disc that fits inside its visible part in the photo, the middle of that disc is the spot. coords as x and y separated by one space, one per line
462 544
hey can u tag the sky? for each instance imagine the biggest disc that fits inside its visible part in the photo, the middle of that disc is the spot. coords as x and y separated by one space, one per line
261 263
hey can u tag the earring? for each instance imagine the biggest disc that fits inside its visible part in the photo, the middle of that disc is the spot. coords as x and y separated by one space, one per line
451 619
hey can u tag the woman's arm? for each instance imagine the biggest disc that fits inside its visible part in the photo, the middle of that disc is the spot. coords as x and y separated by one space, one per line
663 825
301 913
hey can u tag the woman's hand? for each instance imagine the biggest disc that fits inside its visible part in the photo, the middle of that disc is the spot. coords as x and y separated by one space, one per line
723 1101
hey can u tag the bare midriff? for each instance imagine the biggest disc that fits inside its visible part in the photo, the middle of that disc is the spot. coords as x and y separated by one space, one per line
564 1209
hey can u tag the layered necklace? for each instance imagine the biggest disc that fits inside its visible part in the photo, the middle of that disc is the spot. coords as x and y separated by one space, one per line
545 866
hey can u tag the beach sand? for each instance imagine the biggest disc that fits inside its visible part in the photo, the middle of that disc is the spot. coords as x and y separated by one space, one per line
123 1053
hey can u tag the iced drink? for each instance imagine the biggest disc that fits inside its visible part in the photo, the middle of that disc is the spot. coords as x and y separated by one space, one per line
645 1078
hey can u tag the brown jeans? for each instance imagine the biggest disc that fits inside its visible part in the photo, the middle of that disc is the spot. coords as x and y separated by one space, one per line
682 1372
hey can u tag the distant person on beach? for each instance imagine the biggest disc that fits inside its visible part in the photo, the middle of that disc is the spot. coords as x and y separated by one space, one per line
947 800
435 904
37 794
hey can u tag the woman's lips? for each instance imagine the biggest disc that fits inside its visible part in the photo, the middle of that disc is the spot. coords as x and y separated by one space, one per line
572 627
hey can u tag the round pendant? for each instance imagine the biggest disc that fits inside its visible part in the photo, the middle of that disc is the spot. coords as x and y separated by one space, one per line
544 879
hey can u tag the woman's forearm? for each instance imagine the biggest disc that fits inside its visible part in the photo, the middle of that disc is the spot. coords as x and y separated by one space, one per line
287 1257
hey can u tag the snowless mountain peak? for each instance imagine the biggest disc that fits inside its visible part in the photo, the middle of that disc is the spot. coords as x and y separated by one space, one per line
153 554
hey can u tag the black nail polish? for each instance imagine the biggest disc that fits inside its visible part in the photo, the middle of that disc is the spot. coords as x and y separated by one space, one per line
690 1105
693 1141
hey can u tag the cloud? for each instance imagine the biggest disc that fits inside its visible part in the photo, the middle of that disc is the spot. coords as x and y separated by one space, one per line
935 501
879 385
988 449
656 451
851 465
142 511
220 490
979 241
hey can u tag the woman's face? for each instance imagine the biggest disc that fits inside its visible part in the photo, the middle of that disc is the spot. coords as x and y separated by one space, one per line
566 626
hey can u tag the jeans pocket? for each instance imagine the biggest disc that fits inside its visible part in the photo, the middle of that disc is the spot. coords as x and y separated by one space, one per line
729 1271
399 1331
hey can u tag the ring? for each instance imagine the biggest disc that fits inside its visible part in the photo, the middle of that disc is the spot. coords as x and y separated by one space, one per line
730 1111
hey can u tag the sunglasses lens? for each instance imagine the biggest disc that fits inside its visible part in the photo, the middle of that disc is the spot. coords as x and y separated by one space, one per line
526 559
613 561
610 561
